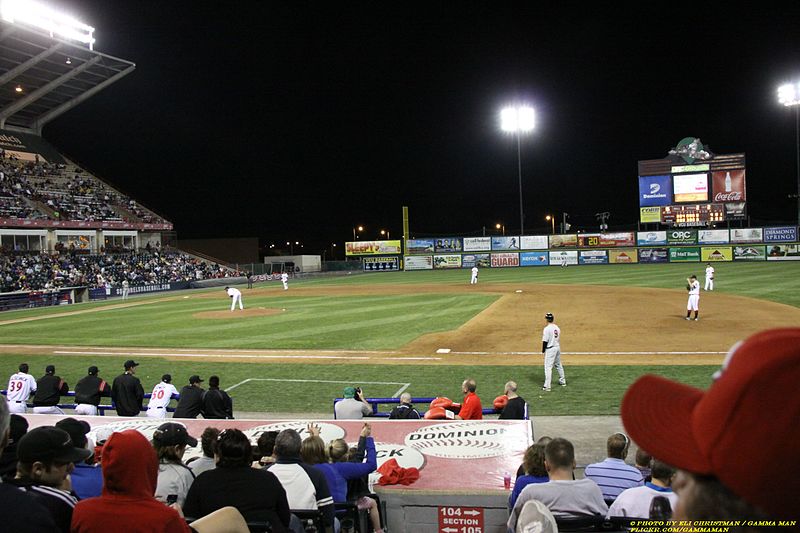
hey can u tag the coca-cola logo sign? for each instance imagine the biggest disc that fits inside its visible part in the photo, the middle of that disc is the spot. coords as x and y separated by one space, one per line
728 186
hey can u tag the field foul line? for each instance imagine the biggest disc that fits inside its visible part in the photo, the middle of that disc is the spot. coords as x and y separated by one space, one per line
396 394
245 356
590 353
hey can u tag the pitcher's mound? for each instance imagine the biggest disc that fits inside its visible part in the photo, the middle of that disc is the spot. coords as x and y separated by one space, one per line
238 313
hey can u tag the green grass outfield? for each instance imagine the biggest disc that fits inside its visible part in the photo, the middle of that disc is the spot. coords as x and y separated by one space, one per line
366 322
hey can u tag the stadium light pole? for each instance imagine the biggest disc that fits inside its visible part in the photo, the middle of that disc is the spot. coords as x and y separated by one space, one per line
359 228
552 221
386 233
501 227
789 96
518 119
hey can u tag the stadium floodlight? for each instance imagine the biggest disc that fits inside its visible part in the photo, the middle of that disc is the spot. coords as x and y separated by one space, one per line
552 221
43 17
789 95
518 119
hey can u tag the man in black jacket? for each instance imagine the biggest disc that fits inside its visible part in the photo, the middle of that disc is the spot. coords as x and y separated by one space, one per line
88 392
49 389
216 403
404 411
191 403
127 392
517 407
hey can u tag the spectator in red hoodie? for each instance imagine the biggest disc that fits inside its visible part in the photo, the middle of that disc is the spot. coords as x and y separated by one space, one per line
130 472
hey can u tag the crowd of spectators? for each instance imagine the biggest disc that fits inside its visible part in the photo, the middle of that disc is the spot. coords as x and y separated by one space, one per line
44 271
35 190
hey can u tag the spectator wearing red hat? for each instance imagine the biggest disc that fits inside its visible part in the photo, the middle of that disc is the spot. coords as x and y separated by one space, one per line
471 408
127 392
174 477
737 444
130 474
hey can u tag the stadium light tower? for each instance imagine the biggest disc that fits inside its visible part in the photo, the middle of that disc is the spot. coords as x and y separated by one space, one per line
789 95
45 18
518 119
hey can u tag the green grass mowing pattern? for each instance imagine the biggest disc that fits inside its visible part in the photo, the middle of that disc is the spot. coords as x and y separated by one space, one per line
591 390
346 322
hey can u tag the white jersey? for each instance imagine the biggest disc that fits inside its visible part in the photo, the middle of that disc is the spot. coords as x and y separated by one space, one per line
161 395
552 336
709 272
20 387
233 292
474 272
284 277
694 288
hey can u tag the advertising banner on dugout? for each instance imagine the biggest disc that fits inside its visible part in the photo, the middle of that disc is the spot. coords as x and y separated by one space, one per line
750 253
419 246
478 260
716 253
373 247
418 262
629 255
684 255
534 258
781 234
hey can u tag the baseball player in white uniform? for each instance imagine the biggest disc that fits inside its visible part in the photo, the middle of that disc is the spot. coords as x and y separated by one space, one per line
236 296
474 279
693 286
20 386
160 397
551 348
285 281
709 278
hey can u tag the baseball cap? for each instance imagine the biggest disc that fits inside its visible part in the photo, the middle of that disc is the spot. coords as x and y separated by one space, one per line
173 434
93 370
166 378
48 443
549 316
535 517
77 430
349 392
24 367
17 427
195 379
130 363
49 369
739 429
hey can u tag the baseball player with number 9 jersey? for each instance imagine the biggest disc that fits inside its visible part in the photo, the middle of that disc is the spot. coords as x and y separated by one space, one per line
551 348
160 397
20 387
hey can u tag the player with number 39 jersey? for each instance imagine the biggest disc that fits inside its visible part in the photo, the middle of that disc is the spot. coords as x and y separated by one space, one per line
160 397
20 387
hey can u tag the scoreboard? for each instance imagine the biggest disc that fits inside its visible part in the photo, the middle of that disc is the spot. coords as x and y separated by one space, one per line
688 215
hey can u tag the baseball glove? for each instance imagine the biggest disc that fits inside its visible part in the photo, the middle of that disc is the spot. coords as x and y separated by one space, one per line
688 287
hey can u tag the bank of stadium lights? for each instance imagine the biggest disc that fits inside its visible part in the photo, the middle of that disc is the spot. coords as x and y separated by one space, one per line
518 119
48 19
789 95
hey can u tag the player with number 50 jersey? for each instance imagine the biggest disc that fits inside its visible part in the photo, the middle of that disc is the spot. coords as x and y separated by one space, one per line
160 397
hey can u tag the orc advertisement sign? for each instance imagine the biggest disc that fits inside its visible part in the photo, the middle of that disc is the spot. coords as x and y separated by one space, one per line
655 190
682 236
728 186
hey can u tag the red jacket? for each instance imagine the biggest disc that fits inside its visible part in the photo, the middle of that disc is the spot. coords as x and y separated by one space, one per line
471 407
130 473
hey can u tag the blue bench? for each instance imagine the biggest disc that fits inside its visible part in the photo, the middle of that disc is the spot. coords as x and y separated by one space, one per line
102 408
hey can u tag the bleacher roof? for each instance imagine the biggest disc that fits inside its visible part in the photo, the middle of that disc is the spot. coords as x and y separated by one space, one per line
54 76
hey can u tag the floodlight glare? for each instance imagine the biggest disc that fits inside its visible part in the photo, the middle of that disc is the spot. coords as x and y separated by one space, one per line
789 94
45 18
517 119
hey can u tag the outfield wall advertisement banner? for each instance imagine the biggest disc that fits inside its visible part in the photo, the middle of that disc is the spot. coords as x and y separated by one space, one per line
781 234
684 255
651 238
629 255
649 214
534 242
682 236
451 244
716 253
655 190
419 246
563 241
418 262
713 236
477 244
447 261
373 247
533 259
747 235
783 252
595 240
381 264
653 255
593 257
478 260
750 253
505 260
505 243
563 258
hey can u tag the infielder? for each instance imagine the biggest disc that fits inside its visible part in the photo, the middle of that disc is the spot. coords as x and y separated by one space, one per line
285 281
693 286
474 279
126 289
20 386
551 348
709 278
160 397
236 294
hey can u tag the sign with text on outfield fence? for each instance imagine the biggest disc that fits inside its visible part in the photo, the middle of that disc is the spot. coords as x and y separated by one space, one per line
564 257
781 234
750 253
653 255
505 243
533 258
716 253
593 257
563 241
684 255
419 246
534 242
372 247
461 520
783 252
713 236
505 260
747 235
594 240
447 261
651 238
418 262
628 255
380 264
478 260
648 215
477 244
682 236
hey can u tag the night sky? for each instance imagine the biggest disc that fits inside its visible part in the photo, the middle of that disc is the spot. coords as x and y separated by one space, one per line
299 120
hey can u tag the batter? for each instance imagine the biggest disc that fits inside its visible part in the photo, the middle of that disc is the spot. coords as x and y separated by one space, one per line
551 348
693 286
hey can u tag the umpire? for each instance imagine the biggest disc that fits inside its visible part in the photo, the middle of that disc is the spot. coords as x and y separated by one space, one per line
88 392
127 392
